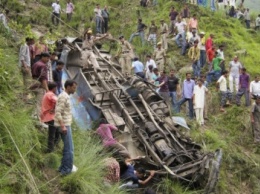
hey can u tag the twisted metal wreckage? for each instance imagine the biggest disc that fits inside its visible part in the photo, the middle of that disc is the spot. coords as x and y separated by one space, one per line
142 116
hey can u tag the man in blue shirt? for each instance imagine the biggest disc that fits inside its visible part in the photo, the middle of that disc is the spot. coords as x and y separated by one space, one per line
138 67
57 76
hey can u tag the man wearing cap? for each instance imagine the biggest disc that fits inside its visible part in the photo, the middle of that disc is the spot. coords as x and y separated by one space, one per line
40 74
56 13
152 35
164 31
138 67
125 52
160 56
87 49
202 48
140 31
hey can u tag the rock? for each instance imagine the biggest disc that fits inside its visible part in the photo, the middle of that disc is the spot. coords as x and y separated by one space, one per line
241 52
185 69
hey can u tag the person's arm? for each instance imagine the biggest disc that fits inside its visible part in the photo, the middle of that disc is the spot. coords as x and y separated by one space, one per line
230 65
217 83
252 113
100 38
161 84
239 85
148 179
22 56
58 112
248 81
112 127
250 89
45 85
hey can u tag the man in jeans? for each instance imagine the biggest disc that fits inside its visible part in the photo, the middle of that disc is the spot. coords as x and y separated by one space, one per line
47 116
181 29
244 83
55 18
187 93
140 31
98 18
63 120
173 85
172 15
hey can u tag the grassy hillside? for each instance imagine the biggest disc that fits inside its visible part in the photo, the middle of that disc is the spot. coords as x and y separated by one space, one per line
240 172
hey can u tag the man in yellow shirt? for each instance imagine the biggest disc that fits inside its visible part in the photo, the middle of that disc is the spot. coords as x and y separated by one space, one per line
194 55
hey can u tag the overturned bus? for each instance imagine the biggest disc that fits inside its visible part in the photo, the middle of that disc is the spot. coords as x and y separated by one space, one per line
142 116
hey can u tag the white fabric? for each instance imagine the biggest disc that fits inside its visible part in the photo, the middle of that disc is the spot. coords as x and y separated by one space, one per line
232 3
150 62
98 12
222 84
56 7
199 93
181 27
232 80
255 88
257 21
24 55
221 54
201 46
199 115
234 68
149 76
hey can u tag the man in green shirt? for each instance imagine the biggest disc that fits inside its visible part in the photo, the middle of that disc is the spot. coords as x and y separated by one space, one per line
215 72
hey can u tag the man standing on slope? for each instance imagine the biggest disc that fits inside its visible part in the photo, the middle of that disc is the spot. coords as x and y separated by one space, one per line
63 120
255 120
55 18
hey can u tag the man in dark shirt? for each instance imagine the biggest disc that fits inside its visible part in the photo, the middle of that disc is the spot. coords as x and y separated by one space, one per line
133 177
163 85
40 75
173 14
57 76
244 83
140 31
173 85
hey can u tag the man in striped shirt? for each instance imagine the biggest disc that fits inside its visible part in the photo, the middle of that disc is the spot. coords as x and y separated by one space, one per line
63 120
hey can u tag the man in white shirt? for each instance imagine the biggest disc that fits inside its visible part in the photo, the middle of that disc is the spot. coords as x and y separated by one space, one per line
199 101
224 92
149 62
56 10
257 23
98 18
247 18
235 70
181 29
25 62
254 88
149 74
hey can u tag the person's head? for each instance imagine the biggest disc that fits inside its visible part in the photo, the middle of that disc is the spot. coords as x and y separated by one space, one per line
159 44
135 59
57 1
52 86
172 8
152 22
202 34
196 43
69 1
257 100
140 172
122 38
193 33
53 56
45 57
163 73
199 82
148 57
259 15
29 41
221 47
247 9
161 21
98 6
243 70
155 71
150 67
188 76
70 86
171 72
194 16
216 54
213 46
103 121
139 20
60 65
236 58
225 73
179 19
257 78
203 78
211 36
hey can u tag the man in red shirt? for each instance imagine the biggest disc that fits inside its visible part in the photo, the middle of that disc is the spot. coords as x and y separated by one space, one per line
47 115
210 56
209 42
